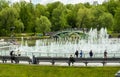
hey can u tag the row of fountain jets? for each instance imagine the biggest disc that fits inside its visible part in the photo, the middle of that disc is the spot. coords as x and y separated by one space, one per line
97 41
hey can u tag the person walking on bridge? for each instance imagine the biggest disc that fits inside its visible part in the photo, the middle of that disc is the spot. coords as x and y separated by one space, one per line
81 53
91 54
76 53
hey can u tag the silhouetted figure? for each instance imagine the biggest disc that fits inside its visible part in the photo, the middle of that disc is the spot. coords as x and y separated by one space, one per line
12 56
105 54
81 53
91 54
34 60
71 60
76 53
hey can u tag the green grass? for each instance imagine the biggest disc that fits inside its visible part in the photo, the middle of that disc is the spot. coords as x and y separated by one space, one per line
17 70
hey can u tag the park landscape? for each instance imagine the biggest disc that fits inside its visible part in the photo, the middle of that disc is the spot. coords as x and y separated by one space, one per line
58 30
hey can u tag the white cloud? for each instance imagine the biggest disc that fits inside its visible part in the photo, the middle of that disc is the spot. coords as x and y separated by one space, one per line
63 1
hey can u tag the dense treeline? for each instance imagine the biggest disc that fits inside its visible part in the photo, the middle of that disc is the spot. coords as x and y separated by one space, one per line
37 18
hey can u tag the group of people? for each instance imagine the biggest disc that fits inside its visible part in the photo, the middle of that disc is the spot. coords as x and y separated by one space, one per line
81 54
72 60
77 53
13 54
90 54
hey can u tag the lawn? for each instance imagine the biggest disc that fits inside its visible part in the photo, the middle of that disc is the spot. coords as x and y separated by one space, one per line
18 70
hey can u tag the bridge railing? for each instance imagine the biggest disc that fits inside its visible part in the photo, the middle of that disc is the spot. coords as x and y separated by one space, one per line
85 55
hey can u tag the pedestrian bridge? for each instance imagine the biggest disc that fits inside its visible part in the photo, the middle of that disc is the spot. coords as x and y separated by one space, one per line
76 33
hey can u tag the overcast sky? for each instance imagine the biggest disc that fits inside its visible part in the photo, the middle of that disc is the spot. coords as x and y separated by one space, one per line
63 1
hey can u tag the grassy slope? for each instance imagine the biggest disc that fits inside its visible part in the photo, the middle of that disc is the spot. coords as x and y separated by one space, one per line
13 70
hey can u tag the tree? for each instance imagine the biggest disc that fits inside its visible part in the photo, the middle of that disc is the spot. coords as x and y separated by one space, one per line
59 18
41 10
112 6
7 18
27 16
19 27
87 5
97 11
51 7
43 25
117 20
71 15
3 4
106 20
16 6
83 18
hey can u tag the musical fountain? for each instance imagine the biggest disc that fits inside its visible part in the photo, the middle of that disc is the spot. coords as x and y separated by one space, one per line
97 41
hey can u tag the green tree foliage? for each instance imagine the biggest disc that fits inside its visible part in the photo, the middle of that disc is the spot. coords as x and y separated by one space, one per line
8 17
29 17
117 20
19 27
51 7
83 17
106 21
43 25
59 18
71 15
3 4
41 10
96 11
87 5
112 6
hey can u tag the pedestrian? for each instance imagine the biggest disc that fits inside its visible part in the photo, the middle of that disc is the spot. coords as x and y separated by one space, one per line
76 53
91 54
34 60
71 60
105 54
12 55
81 53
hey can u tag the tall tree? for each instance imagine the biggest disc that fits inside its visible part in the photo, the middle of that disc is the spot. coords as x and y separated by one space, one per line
106 20
43 25
27 15
117 20
8 17
41 10
59 19
51 7
3 4
71 15
96 11
112 6
19 26
83 17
